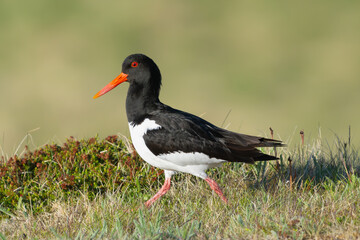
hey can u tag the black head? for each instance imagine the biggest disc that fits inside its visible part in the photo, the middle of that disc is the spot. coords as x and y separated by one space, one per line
145 81
142 72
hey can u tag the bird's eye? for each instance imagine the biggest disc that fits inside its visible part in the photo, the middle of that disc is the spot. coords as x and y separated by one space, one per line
134 64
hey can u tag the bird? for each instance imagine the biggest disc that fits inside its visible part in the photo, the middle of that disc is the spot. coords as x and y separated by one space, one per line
174 140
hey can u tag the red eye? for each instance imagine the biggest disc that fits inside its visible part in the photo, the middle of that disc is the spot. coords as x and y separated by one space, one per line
134 64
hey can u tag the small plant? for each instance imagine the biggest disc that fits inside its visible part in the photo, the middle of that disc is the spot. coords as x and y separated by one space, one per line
36 179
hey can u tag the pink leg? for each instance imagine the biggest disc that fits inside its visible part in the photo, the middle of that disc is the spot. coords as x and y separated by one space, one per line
214 186
161 192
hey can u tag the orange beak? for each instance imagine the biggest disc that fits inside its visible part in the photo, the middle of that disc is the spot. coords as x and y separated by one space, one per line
119 79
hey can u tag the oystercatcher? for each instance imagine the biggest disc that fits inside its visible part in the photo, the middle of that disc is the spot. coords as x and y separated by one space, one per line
177 141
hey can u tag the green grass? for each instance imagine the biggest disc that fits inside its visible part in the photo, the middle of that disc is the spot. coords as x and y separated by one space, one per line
316 197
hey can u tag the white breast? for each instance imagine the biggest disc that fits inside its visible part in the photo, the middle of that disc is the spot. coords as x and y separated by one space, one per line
137 132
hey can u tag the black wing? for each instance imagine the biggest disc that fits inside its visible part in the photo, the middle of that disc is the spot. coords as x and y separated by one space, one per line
188 133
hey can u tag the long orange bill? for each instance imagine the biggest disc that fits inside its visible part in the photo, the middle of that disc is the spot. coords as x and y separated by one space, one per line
119 79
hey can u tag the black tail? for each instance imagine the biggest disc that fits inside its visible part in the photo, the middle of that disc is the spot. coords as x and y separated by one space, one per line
250 153
266 142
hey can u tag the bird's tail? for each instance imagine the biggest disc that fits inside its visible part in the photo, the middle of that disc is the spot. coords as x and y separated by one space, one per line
251 153
267 142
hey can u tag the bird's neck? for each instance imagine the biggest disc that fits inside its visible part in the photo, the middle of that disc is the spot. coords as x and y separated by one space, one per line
140 102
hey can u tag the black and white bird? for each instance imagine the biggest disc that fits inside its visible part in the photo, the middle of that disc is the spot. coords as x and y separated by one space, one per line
177 141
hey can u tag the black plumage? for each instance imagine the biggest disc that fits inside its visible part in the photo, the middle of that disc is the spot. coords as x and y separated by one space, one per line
184 132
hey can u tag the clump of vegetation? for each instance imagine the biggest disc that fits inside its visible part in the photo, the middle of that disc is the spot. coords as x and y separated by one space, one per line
90 166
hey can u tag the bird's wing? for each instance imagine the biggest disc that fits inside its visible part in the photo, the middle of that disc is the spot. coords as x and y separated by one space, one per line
185 133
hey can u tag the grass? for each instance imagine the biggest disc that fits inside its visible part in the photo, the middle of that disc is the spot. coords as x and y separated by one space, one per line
313 196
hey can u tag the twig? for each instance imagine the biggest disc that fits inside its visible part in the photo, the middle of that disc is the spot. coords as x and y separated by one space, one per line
227 115
302 137
275 152
290 172
349 135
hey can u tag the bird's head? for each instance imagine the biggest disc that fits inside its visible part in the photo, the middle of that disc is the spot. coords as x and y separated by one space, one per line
140 71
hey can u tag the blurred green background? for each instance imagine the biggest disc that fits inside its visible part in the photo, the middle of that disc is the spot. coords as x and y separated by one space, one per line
286 65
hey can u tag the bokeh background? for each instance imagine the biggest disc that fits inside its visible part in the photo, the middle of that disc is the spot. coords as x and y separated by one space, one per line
286 65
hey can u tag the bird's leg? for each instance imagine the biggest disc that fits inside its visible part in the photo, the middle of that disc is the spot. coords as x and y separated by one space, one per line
214 186
161 192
